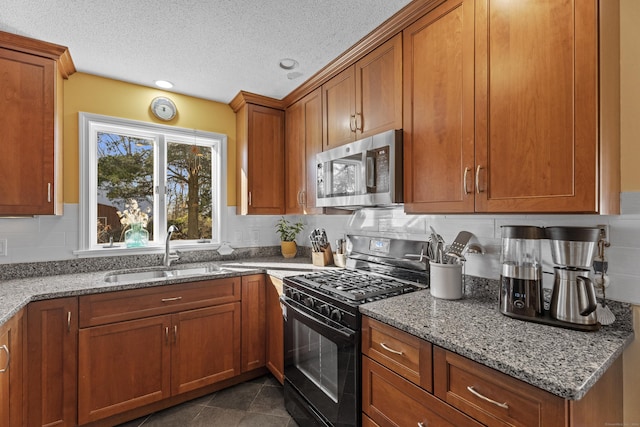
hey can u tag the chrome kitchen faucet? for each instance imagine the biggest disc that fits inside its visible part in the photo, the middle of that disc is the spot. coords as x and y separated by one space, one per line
168 256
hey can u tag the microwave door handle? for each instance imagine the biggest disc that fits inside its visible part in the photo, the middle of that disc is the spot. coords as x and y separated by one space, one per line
317 323
370 166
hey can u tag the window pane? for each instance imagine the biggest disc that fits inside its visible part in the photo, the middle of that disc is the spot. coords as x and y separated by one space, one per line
125 175
189 204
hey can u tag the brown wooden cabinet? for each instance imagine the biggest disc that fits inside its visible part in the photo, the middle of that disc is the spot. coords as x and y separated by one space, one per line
52 362
395 388
303 140
275 328
162 342
11 372
253 322
365 98
259 155
511 119
31 121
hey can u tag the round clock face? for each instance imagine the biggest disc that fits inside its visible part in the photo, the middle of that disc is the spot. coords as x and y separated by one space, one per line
163 108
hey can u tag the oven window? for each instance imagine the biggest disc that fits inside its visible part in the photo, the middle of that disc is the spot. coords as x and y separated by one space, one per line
317 358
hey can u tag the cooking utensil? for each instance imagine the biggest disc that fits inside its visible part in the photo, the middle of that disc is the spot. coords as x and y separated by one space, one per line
459 245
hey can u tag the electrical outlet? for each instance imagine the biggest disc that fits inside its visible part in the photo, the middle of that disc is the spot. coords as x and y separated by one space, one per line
604 233
3 247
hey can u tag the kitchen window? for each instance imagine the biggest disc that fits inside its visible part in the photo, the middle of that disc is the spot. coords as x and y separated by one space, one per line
152 174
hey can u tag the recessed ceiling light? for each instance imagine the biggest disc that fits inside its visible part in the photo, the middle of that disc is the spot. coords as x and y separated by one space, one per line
288 64
164 84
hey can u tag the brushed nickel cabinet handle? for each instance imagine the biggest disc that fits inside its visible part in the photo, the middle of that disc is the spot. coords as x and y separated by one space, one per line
478 180
175 333
6 364
166 334
422 424
249 198
352 123
68 321
171 299
359 120
49 192
464 181
474 392
389 349
303 198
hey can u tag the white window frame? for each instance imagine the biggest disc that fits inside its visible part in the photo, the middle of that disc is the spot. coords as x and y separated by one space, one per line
89 124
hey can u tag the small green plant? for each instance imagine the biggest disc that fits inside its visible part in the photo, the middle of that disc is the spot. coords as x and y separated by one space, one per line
287 230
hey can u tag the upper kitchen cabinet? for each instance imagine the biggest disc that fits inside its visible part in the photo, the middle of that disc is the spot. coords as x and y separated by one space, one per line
31 103
259 154
303 140
366 98
542 134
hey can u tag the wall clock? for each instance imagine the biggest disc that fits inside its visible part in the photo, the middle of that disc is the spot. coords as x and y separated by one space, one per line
163 108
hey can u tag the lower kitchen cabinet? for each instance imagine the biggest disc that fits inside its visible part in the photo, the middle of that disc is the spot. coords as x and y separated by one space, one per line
253 322
396 375
11 384
275 329
51 358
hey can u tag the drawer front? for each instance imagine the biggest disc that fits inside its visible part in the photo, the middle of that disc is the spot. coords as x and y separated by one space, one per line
492 397
390 400
399 351
100 309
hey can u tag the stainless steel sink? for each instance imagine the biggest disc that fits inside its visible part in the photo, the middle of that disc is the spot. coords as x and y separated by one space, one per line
139 276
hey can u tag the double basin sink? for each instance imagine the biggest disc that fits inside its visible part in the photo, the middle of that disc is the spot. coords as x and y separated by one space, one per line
165 273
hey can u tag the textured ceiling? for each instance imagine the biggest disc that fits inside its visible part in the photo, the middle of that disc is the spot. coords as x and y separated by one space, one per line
211 49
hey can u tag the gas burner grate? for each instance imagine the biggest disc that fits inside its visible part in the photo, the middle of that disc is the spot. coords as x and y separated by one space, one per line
356 285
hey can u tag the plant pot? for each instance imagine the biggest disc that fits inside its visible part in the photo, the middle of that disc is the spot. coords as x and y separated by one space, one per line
288 249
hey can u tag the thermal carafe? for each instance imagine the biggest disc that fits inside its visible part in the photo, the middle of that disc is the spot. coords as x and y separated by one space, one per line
521 275
573 299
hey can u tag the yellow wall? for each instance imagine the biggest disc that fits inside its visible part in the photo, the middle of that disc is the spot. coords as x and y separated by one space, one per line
630 94
92 94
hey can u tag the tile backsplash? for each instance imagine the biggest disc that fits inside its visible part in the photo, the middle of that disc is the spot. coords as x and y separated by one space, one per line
55 238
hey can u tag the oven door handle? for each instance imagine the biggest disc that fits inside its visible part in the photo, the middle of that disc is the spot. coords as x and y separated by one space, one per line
318 325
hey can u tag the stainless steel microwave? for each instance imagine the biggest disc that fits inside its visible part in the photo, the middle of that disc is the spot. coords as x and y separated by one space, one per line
364 173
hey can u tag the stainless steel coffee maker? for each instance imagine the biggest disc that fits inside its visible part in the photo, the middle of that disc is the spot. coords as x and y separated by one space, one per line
573 299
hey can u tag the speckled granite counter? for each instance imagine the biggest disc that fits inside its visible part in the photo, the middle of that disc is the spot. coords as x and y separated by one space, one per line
564 362
17 293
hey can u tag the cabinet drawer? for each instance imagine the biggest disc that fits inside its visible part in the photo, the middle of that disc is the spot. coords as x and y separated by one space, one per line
390 400
117 306
492 397
403 353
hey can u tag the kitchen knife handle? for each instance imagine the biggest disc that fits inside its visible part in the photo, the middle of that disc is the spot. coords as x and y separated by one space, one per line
464 181
474 392
478 180
389 349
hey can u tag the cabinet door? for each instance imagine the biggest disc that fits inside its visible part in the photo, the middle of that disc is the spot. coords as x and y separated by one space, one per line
275 329
52 362
253 322
439 110
29 145
11 384
206 346
339 109
266 160
123 366
303 141
390 400
379 89
536 106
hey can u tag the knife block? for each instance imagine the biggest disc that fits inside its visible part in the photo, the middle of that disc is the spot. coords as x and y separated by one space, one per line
320 259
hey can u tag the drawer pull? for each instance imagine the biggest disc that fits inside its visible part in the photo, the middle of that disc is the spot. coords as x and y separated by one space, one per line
6 365
68 321
389 349
502 405
171 299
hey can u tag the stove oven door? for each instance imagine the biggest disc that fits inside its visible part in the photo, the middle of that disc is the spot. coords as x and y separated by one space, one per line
322 368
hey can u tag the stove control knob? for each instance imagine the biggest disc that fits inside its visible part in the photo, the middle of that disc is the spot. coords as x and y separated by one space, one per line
336 315
308 301
295 295
325 310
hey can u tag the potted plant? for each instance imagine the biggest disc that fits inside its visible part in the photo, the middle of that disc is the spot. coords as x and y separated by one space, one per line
288 232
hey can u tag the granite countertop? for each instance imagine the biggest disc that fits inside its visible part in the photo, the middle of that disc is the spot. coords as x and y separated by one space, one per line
564 362
17 293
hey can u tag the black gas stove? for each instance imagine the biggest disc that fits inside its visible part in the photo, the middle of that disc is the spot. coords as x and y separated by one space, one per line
322 325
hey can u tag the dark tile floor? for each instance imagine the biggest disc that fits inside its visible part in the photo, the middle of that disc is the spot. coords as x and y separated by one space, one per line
255 403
